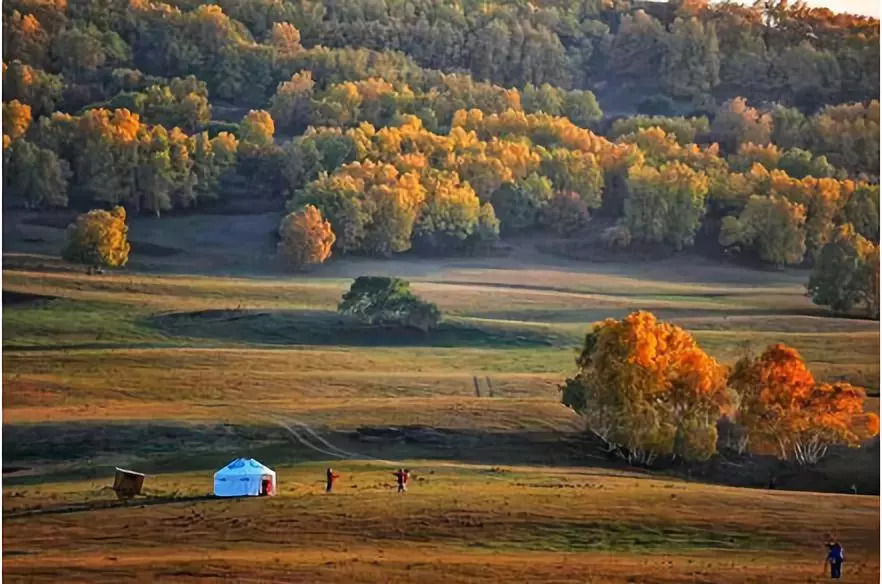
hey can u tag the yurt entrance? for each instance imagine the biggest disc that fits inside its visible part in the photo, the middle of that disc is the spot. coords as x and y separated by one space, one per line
266 485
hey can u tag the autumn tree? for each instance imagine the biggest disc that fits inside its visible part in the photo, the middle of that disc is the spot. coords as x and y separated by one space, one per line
772 226
787 413
40 90
449 213
371 206
16 119
98 238
290 106
285 38
305 237
848 135
846 274
648 390
684 129
256 132
665 205
381 300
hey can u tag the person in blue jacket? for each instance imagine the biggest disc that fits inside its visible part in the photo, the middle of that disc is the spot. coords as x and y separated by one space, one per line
835 557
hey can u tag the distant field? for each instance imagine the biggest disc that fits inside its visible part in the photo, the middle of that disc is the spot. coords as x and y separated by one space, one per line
193 355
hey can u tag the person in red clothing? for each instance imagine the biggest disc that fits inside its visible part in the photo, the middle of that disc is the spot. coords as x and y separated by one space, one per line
331 476
400 477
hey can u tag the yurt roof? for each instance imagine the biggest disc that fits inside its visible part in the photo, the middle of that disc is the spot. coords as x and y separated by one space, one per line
245 466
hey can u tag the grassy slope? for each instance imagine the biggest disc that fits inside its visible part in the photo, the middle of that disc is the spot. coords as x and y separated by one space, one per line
138 367
456 524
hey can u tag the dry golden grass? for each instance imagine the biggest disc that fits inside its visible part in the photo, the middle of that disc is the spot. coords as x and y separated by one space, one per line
458 523
103 354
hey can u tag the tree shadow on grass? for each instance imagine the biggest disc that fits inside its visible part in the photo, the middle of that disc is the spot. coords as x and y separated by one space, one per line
292 327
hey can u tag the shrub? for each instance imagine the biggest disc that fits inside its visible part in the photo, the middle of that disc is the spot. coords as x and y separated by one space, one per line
383 300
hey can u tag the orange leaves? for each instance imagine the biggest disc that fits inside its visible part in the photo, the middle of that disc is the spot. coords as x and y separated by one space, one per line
306 238
650 387
99 238
285 38
786 412
672 357
16 119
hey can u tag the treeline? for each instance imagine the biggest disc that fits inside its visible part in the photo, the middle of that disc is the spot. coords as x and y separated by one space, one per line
489 131
686 49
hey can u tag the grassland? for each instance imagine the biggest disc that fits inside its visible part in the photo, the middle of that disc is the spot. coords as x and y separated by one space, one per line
185 360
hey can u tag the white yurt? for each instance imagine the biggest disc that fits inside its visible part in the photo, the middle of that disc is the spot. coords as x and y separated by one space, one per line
244 477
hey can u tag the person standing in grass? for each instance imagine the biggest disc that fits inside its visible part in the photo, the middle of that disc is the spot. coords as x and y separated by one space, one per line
835 557
401 478
331 477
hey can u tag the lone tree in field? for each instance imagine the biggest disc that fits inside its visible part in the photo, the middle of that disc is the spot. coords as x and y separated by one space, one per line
846 274
306 237
98 238
381 300
786 413
646 389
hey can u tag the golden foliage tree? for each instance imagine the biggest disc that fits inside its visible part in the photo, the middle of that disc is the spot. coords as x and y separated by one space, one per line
98 238
665 205
306 237
256 132
16 119
786 413
648 390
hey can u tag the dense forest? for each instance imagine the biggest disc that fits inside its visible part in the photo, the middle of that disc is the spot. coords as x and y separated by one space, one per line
438 124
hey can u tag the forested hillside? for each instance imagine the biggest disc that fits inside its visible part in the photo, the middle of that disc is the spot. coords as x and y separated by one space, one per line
438 125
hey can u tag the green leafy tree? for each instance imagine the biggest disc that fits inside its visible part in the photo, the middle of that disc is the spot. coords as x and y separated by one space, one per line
566 214
35 177
861 210
800 163
685 129
383 300
846 274
517 205
771 226
737 123
40 90
691 64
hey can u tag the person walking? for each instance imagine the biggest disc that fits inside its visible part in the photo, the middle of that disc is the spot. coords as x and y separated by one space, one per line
331 477
835 557
401 478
